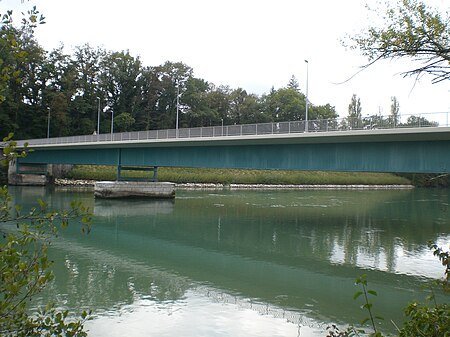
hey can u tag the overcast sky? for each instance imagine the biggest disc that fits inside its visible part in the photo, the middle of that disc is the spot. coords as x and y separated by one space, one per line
252 44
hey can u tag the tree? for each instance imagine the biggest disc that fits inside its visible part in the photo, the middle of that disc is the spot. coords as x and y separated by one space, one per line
354 113
285 104
147 102
244 108
293 83
24 265
411 30
395 108
20 72
219 100
86 65
417 121
25 236
323 111
119 78
172 79
123 122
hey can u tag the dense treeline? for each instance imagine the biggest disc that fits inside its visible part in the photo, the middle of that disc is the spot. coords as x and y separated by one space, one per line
71 88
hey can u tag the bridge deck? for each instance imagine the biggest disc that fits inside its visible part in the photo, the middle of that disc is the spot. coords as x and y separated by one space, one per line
424 150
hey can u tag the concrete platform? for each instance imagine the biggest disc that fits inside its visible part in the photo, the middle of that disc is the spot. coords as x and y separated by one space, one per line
134 189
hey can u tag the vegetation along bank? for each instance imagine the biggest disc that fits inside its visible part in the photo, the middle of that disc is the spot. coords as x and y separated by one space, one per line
231 177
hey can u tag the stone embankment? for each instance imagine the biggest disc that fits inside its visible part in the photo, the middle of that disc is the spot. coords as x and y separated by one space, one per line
74 182
199 186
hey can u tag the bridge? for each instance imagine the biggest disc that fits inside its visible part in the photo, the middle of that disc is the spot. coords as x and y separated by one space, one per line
326 146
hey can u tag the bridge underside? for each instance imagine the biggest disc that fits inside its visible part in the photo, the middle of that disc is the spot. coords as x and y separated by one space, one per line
403 156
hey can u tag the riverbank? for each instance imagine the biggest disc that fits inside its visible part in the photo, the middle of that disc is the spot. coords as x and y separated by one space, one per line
229 177
206 186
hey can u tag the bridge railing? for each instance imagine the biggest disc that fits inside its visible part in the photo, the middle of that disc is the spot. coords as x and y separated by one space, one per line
322 125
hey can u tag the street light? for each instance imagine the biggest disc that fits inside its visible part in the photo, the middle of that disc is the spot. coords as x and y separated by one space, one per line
48 123
98 116
112 122
307 100
178 105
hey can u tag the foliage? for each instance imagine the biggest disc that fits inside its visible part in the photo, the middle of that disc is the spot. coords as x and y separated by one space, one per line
25 236
69 90
411 30
10 48
444 258
354 113
425 320
430 319
395 109
24 264
123 122
418 121
236 176
362 280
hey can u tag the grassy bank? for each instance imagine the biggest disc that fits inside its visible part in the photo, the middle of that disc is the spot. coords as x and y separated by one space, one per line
235 176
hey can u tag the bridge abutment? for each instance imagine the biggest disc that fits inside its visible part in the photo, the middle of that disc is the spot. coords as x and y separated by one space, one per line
35 174
27 175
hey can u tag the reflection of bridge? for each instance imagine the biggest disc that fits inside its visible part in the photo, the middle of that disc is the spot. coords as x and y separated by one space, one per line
258 146
166 257
166 285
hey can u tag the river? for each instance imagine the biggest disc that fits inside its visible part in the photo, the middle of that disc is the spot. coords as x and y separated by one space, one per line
244 263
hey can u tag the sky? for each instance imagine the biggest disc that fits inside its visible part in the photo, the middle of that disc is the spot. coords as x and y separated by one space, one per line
251 44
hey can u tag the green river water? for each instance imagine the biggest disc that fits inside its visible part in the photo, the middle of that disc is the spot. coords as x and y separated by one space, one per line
244 263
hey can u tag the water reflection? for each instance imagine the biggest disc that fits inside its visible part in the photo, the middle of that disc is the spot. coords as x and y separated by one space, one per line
287 255
132 208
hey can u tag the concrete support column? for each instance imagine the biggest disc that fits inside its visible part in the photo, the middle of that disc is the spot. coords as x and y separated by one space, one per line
134 189
58 170
35 174
26 176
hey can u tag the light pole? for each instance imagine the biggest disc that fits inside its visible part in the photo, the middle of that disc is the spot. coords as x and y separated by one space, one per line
48 123
222 125
112 123
98 116
178 105
307 100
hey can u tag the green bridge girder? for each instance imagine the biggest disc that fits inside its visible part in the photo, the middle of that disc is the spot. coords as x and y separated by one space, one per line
425 150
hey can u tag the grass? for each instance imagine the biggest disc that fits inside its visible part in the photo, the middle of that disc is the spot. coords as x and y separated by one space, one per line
237 176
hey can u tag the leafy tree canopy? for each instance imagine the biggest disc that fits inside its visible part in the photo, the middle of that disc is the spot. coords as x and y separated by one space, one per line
411 30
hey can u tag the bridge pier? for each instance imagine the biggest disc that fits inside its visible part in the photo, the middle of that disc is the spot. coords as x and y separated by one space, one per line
134 189
28 174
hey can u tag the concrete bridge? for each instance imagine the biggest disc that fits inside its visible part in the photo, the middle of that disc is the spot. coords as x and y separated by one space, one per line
322 146
257 146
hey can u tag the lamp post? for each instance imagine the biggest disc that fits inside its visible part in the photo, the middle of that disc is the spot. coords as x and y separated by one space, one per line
98 116
112 123
307 100
48 123
178 107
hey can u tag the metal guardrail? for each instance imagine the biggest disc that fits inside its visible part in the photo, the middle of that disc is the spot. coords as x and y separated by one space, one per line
276 128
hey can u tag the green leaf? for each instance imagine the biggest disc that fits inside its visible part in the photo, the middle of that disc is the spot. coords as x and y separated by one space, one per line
365 320
372 292
357 294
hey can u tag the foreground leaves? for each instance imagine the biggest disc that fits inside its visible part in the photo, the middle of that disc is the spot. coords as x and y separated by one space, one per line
25 268
25 236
